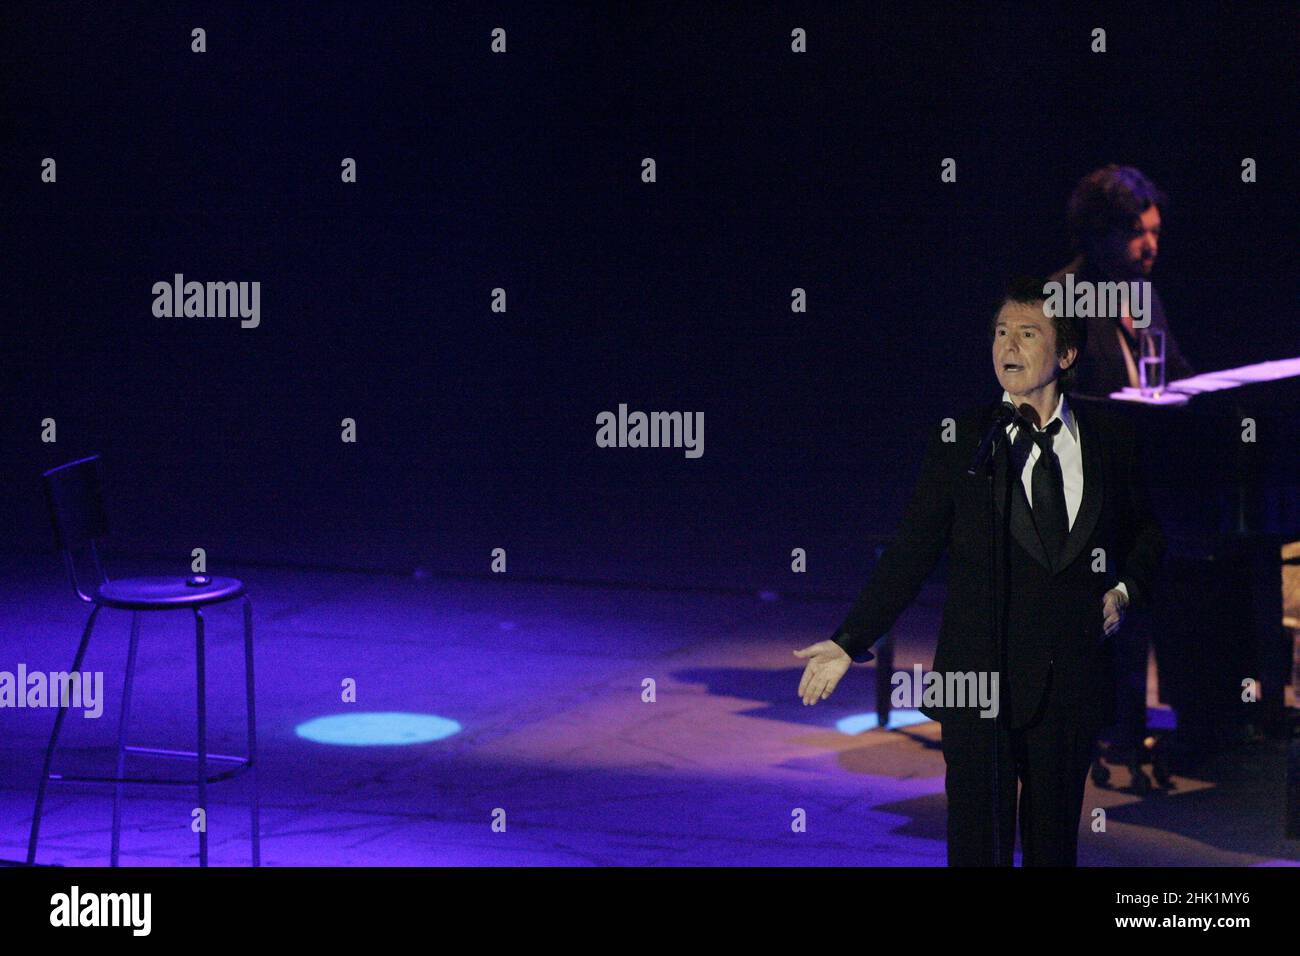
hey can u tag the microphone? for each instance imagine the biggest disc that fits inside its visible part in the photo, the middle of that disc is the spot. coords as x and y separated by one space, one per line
1003 416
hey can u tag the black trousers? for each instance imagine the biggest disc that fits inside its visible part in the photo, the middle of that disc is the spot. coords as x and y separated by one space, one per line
1049 759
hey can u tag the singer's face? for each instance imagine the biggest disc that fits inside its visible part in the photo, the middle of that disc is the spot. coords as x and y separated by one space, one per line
1024 348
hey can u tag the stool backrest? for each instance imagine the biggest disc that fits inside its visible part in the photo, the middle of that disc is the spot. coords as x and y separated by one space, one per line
74 494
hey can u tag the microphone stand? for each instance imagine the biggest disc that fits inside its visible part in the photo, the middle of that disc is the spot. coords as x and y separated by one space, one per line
998 619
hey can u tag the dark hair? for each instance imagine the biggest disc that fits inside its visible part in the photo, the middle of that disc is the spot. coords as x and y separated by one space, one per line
1071 333
1109 198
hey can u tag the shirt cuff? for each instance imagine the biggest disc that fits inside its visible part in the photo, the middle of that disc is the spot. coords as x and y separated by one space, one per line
845 641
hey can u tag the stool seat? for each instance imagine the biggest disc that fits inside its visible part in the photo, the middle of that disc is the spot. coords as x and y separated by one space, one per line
165 593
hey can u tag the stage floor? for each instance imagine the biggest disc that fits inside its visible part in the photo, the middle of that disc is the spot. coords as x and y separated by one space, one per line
546 682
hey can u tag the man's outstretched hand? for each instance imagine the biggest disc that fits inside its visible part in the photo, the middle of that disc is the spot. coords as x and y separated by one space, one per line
827 663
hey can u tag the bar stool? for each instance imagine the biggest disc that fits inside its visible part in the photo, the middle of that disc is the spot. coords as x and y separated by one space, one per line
75 498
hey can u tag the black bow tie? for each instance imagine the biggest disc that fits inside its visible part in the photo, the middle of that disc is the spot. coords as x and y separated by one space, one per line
1042 437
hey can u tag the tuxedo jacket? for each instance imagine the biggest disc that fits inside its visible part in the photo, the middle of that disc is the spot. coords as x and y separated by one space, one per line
1102 368
1051 607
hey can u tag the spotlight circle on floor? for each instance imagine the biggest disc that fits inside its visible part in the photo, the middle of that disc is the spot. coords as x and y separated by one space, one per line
386 729
859 723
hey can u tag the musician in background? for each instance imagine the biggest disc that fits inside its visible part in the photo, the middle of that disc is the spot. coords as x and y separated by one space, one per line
1114 218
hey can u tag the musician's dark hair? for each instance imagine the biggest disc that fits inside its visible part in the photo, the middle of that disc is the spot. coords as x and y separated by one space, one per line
1112 197
1070 332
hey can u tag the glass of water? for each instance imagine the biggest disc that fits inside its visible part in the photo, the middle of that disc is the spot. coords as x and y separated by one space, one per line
1151 363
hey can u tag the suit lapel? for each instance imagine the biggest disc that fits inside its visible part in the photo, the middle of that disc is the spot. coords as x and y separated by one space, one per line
1022 519
1094 490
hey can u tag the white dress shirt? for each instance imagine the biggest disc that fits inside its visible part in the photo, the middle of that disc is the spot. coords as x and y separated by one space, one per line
1068 445
1069 451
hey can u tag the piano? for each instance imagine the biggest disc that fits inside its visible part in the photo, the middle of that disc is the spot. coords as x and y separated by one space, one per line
1222 464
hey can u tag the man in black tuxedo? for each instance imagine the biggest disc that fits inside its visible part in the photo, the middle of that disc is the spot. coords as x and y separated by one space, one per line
1066 513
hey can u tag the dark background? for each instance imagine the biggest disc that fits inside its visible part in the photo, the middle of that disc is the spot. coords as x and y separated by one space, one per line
476 429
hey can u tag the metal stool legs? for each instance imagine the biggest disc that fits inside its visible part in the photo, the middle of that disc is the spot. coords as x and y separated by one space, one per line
54 739
201 754
252 731
121 736
200 679
201 683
